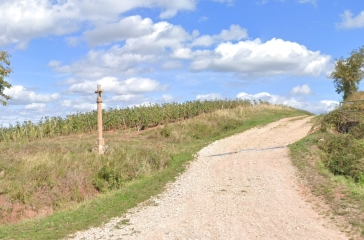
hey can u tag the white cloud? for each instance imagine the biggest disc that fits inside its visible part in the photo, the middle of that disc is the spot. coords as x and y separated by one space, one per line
137 55
182 53
54 64
349 21
129 27
203 41
210 96
120 87
151 45
257 59
35 106
164 36
170 65
20 95
66 103
85 106
157 44
101 63
235 33
322 106
129 98
301 90
21 21
330 104
80 104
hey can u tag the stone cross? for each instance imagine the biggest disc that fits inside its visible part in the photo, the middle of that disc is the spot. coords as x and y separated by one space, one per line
100 142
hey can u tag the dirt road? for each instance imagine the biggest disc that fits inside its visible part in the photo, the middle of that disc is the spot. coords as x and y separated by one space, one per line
245 195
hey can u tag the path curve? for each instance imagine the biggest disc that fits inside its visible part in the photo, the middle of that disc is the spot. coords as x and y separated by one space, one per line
246 195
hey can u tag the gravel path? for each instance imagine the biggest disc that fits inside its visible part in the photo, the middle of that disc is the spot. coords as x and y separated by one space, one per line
245 195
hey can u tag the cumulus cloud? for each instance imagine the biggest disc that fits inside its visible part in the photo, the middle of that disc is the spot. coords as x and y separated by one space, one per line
149 45
169 65
137 55
348 20
35 107
209 96
54 64
99 63
301 90
129 27
85 106
322 106
81 104
146 46
235 33
258 59
120 87
21 21
20 96
129 98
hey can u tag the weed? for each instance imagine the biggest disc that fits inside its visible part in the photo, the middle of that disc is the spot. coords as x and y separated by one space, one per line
86 189
329 165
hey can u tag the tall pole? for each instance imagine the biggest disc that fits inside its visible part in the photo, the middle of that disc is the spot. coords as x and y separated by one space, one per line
100 143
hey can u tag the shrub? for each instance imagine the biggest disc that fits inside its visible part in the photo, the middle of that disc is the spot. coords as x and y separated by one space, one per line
343 155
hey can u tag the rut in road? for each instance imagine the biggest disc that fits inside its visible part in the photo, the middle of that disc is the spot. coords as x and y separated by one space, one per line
241 195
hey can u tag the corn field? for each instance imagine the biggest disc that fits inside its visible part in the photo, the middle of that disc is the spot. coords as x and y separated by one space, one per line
114 118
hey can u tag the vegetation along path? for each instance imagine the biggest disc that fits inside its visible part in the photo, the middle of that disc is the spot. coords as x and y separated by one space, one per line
251 194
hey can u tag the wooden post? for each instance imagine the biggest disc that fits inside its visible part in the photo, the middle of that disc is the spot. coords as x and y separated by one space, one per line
100 142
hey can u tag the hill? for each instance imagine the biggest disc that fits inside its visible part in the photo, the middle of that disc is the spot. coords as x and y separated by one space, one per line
60 180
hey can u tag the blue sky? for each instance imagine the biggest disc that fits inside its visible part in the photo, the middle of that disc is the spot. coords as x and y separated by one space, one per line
159 51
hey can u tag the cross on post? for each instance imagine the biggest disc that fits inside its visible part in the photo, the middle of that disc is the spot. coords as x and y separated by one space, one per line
100 142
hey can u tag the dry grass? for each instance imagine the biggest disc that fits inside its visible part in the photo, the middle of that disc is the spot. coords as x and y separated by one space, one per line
358 96
354 102
57 175
340 197
48 175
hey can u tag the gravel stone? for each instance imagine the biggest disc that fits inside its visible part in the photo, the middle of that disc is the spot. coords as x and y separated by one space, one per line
246 195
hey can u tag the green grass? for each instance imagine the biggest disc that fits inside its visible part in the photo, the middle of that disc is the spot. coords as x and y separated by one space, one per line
325 161
162 154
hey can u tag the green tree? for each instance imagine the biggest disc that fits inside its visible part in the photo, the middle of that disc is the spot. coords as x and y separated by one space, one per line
348 73
5 70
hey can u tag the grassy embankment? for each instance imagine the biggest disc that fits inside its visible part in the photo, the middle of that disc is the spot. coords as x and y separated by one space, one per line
82 189
331 163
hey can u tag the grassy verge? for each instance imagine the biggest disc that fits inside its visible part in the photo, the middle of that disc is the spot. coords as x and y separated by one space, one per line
342 193
70 178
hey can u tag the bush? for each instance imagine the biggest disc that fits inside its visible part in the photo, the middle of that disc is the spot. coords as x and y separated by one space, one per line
358 131
343 155
109 178
337 121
